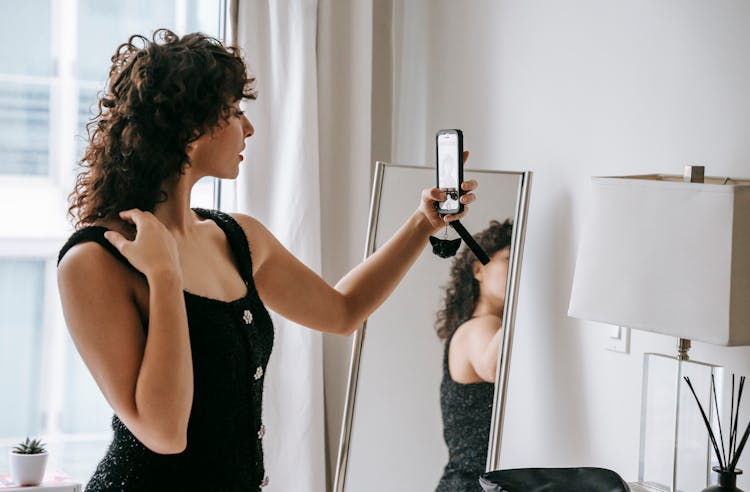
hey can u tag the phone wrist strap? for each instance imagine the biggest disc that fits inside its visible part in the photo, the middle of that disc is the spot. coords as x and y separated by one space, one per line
478 251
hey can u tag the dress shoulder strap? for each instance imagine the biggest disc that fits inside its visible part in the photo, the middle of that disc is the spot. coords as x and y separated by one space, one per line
95 234
237 240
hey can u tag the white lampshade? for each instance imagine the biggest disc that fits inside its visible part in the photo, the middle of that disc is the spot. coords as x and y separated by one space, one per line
667 256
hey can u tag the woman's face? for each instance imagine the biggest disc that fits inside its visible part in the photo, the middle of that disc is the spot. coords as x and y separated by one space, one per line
493 276
218 152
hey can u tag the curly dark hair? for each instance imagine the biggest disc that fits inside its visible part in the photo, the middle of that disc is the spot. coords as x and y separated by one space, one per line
462 290
161 94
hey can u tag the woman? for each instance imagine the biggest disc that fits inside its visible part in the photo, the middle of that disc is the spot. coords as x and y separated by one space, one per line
164 302
470 323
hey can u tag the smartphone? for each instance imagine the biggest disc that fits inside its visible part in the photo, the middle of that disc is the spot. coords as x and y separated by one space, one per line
450 169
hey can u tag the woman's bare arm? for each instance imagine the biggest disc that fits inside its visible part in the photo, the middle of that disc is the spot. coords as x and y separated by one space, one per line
148 380
291 289
294 291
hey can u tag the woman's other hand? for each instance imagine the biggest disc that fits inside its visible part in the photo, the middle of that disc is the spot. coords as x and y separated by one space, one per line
153 251
432 196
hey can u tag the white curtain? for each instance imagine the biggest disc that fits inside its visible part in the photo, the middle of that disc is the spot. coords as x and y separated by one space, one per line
279 185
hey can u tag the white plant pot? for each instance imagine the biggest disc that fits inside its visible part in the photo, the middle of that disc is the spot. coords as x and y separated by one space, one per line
27 469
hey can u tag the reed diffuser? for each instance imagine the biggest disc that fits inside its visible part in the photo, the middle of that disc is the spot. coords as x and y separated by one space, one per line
727 456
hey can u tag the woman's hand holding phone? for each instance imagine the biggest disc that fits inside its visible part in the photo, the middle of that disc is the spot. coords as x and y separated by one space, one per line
431 197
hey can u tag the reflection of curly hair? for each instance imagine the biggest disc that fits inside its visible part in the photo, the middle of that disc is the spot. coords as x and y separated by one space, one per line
462 291
161 95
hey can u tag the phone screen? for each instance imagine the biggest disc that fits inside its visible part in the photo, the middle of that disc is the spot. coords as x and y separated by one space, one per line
447 160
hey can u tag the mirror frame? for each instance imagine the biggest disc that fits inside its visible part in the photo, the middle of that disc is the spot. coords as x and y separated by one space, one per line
509 316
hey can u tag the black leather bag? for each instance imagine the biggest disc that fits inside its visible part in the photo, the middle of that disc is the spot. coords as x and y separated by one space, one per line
553 480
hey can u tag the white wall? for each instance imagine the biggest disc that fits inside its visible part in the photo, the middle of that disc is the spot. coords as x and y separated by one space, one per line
569 90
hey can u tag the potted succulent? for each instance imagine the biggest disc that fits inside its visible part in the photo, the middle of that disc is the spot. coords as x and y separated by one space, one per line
27 462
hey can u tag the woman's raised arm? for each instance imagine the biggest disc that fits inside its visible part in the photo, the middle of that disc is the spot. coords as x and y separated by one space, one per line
297 293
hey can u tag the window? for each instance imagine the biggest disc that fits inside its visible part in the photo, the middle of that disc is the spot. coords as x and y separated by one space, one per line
25 83
21 286
48 88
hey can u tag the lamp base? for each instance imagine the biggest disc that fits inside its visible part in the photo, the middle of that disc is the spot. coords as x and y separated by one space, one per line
675 453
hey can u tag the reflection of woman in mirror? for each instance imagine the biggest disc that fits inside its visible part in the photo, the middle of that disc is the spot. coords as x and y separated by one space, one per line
165 303
470 323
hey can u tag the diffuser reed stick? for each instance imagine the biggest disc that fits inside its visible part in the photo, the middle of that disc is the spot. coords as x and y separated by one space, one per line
729 456
718 419
732 428
708 424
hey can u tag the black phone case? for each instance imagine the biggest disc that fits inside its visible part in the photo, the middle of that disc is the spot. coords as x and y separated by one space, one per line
460 139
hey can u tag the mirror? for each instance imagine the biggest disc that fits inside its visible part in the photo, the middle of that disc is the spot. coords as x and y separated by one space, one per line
392 433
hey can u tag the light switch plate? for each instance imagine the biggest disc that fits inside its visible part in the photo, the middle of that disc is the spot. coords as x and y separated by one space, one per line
619 339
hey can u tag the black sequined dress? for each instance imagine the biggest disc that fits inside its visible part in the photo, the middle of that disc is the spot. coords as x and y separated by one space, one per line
467 414
231 343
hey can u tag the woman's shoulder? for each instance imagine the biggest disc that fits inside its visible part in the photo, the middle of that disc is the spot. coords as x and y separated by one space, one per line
249 223
89 269
87 254
259 238
483 320
479 325
85 258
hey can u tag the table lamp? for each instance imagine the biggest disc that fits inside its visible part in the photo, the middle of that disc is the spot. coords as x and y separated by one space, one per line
669 254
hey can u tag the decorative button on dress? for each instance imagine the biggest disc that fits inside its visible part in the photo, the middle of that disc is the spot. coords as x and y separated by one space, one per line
231 343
